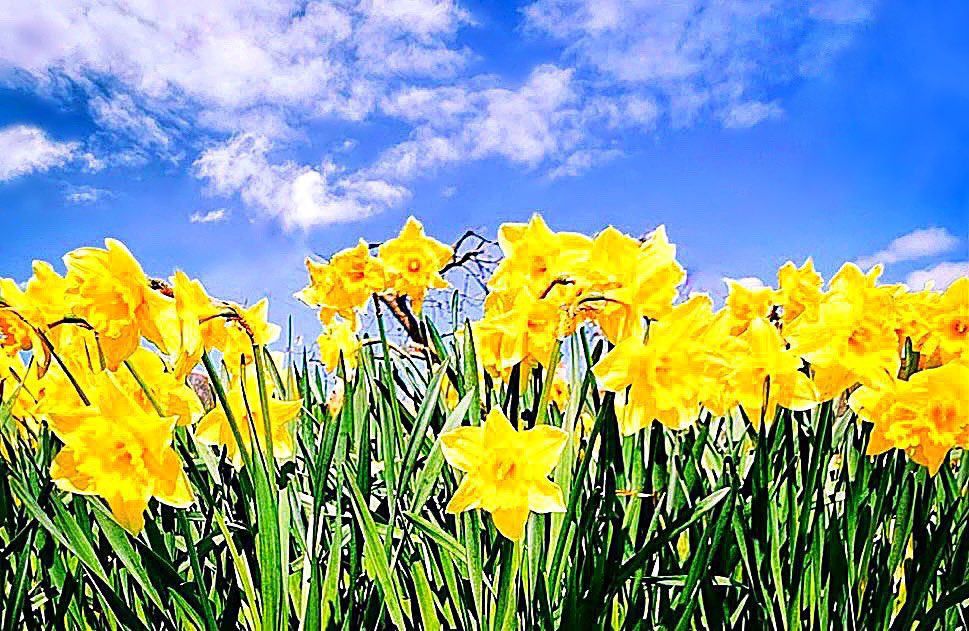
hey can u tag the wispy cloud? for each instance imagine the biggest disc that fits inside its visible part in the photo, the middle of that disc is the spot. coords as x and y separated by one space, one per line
748 282
921 243
227 64
211 216
240 80
524 125
581 161
84 194
25 149
697 58
941 275
298 196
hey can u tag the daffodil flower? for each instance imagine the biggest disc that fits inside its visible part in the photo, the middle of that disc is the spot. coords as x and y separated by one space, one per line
506 471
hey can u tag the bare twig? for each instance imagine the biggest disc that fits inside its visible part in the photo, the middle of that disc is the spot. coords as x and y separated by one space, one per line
553 284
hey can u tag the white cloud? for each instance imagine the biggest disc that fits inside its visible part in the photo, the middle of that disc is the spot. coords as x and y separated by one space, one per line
25 149
748 282
581 161
347 145
449 191
750 113
85 194
298 196
941 275
121 114
454 124
211 216
224 59
917 244
241 78
697 56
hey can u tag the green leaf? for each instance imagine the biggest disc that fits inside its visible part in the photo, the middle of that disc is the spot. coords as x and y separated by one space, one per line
447 542
375 554
429 473
425 599
118 538
15 601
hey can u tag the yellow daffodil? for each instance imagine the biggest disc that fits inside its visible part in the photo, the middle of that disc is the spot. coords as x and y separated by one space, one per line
339 337
116 449
915 313
245 328
926 415
519 328
16 334
26 315
668 375
951 322
765 362
853 339
413 262
506 471
195 324
646 285
24 320
173 397
799 290
214 428
109 290
345 283
745 304
46 291
535 256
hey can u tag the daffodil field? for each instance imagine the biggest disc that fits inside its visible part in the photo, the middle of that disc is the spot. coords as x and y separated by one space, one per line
579 443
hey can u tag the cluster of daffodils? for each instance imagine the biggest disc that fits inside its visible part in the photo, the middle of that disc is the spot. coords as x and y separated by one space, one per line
102 356
405 267
902 356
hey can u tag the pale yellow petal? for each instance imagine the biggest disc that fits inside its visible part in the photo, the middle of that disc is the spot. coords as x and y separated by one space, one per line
546 497
466 497
130 513
510 522
209 429
497 429
462 447
543 446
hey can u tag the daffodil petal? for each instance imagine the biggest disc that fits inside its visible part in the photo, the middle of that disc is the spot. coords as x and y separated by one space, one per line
510 522
497 429
543 446
466 497
462 447
546 497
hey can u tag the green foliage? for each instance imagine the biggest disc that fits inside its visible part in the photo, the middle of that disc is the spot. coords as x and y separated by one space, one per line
716 526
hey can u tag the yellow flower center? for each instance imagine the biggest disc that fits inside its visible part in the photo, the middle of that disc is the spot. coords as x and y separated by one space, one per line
859 340
959 327
122 455
942 415
663 373
539 266
504 470
414 266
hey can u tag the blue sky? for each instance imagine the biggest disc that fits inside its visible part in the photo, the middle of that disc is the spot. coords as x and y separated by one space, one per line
757 131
